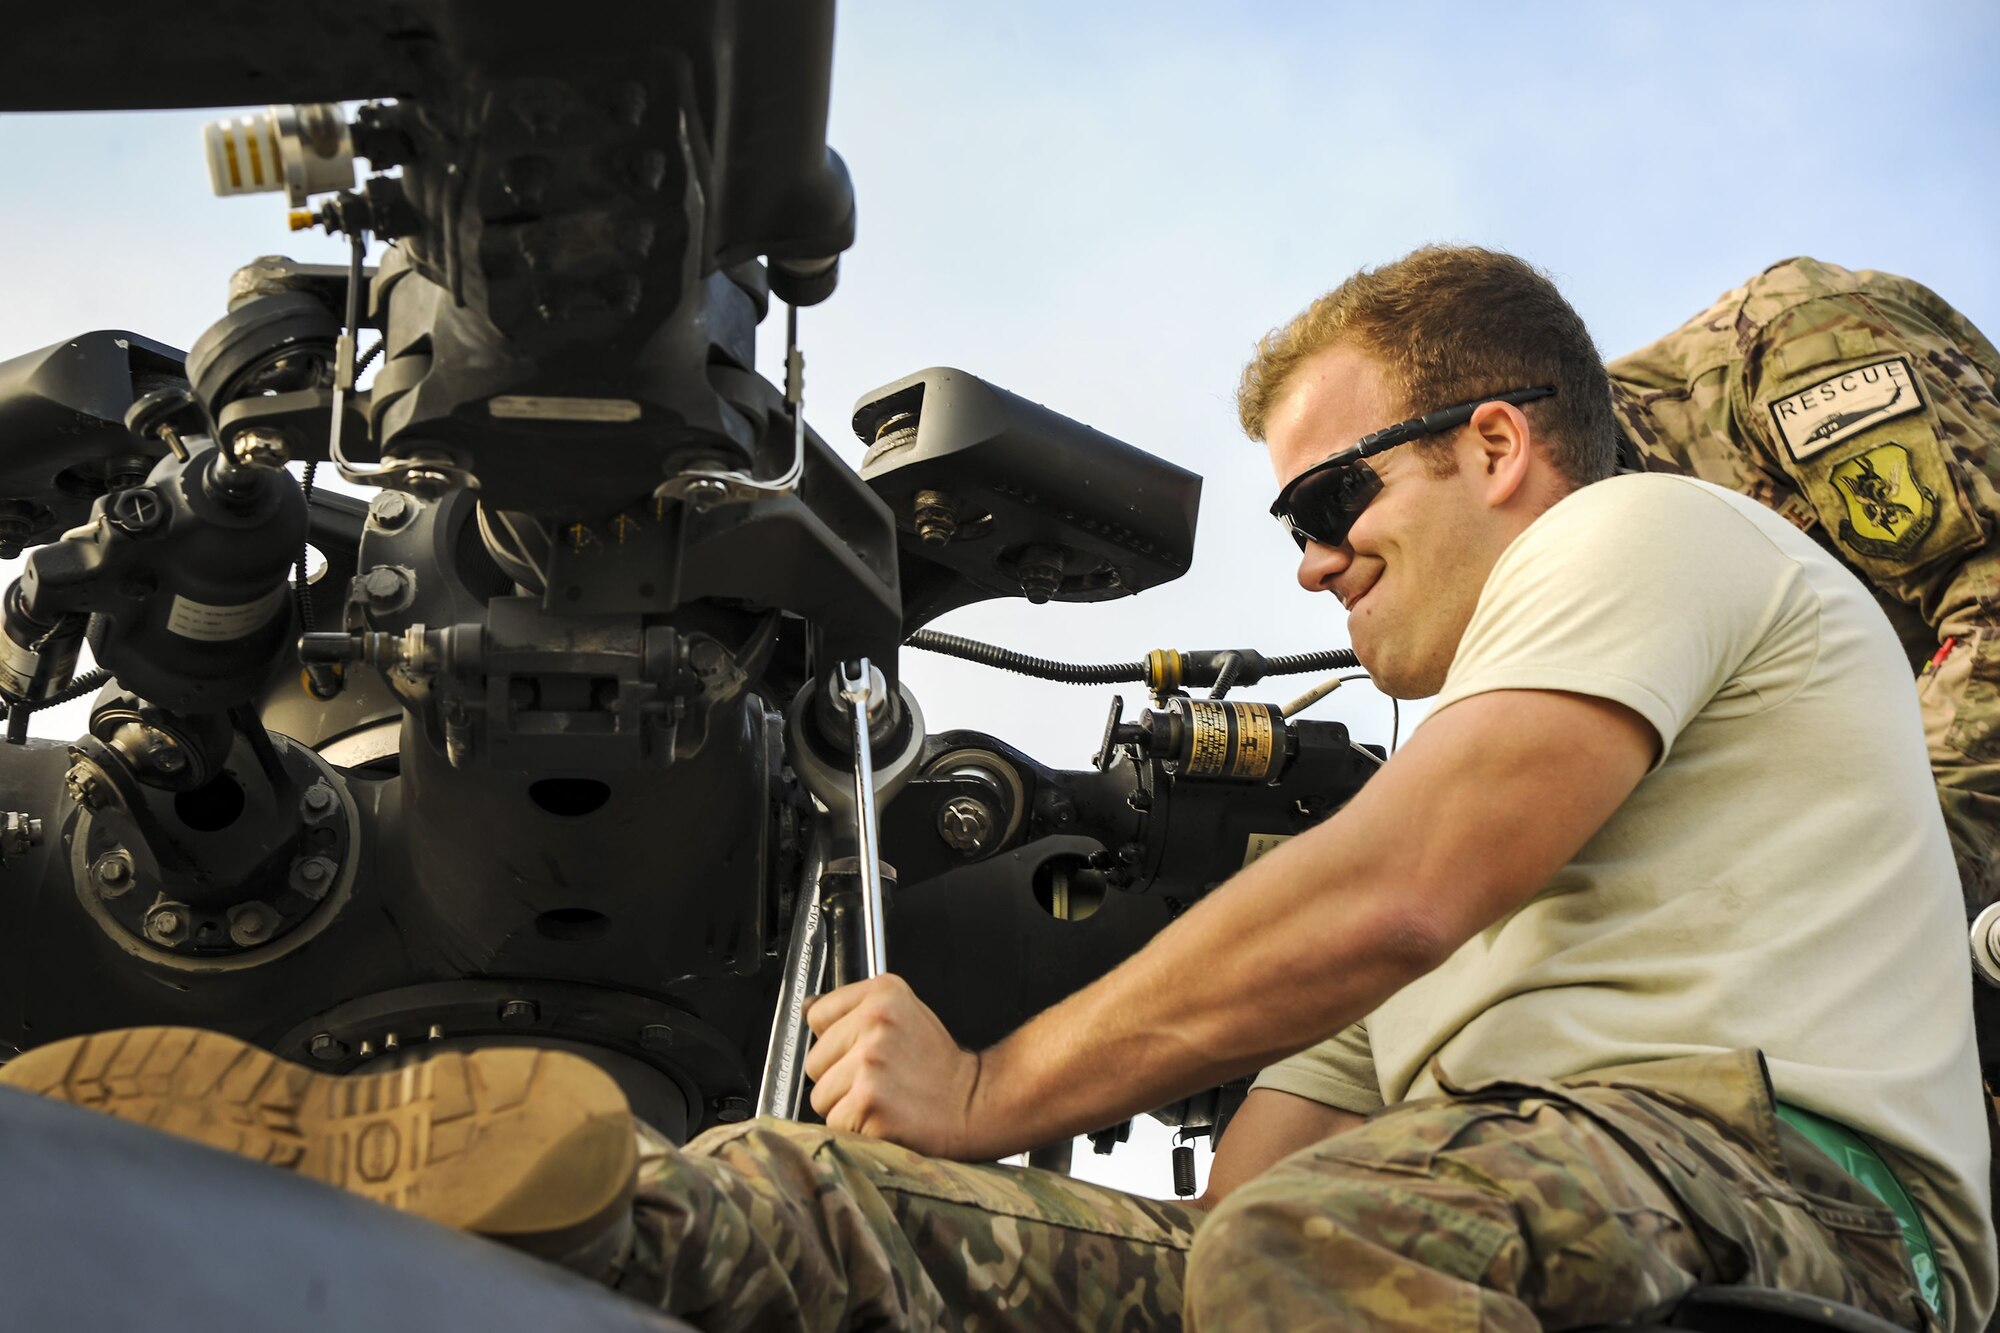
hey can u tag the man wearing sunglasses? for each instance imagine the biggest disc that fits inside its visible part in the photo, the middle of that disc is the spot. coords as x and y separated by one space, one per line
1642 923
1560 1017
1639 967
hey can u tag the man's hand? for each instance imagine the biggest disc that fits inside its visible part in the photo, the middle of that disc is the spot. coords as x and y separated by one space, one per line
883 1065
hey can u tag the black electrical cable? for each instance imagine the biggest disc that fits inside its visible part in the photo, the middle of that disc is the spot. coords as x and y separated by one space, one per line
1330 659
299 593
1232 667
1006 659
1395 723
1107 673
18 714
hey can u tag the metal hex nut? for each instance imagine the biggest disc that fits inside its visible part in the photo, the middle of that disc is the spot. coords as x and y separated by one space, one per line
392 509
168 924
259 448
385 588
966 824
113 873
313 876
705 493
85 787
318 803
519 1013
251 923
19 831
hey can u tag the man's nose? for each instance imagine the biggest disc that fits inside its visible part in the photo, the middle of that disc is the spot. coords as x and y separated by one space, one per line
1322 564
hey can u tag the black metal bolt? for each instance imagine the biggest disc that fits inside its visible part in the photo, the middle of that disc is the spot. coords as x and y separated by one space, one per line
317 802
84 787
251 923
392 509
705 493
936 517
14 531
656 1037
167 924
325 1046
729 1110
259 448
312 876
519 1013
113 872
19 831
1041 572
384 587
136 511
966 824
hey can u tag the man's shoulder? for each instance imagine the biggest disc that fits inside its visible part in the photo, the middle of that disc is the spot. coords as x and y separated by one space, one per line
1669 526
1663 503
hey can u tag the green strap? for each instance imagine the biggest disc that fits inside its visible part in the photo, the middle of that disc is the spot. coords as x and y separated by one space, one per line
1851 1153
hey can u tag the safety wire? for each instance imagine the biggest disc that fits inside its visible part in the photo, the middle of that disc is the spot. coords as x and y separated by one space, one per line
299 588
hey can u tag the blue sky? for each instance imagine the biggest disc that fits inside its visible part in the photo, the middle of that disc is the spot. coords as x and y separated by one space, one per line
1101 207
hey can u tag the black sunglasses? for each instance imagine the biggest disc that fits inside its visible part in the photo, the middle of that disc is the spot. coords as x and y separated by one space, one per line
1321 503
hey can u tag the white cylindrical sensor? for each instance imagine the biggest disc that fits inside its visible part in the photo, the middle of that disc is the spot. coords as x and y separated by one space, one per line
303 150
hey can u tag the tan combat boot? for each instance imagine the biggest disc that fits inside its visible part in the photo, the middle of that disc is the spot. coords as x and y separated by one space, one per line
533 1148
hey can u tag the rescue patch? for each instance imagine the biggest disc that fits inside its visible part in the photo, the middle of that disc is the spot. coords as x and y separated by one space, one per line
1888 510
1841 406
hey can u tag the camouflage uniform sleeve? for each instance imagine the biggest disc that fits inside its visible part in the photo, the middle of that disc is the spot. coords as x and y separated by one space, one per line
1879 405
1339 1072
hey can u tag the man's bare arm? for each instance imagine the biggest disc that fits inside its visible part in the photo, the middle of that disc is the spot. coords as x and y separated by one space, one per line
1269 1127
1487 801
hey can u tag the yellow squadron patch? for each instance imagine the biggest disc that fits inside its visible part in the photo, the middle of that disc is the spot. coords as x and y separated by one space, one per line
1888 510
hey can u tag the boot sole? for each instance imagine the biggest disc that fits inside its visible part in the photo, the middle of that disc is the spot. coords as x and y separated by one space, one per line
529 1146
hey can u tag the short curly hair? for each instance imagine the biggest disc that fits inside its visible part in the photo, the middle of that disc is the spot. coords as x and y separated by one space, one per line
1449 323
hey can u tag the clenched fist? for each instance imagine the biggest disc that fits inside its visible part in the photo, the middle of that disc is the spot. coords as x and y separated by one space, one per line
883 1065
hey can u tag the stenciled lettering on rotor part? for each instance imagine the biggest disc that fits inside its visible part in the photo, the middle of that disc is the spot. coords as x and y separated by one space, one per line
1233 741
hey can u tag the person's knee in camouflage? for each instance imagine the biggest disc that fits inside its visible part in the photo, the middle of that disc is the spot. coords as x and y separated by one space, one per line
1604 1199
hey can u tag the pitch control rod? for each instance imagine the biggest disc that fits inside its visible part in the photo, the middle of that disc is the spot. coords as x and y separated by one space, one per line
784 1083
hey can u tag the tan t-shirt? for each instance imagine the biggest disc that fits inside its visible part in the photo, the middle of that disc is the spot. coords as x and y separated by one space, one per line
1780 880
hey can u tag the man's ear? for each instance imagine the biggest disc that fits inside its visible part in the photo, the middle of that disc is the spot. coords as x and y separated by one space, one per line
1503 442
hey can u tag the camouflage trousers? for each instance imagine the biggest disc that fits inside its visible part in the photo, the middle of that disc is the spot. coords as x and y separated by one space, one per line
1507 1207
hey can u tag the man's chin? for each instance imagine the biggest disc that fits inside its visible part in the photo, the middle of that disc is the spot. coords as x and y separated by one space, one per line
1394 678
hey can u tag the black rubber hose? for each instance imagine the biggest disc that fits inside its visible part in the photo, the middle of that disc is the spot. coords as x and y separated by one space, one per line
1331 659
1114 673
988 654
